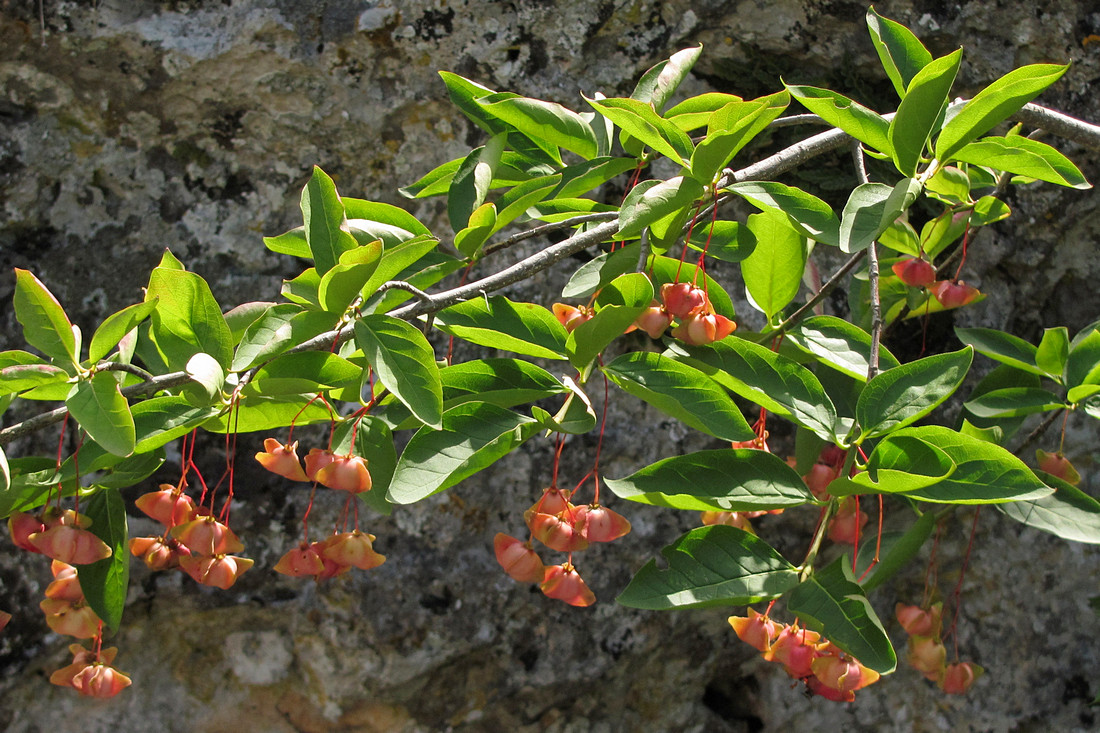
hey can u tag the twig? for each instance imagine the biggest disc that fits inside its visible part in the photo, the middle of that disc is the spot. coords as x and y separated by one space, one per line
872 273
1072 129
407 287
1038 432
115 366
546 228
824 291
792 120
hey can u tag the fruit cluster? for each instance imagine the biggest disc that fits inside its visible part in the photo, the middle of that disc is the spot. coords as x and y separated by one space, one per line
927 653
560 525
805 655
341 551
63 536
193 540
698 324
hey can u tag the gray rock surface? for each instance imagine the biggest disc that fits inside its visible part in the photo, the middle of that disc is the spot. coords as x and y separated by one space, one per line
128 126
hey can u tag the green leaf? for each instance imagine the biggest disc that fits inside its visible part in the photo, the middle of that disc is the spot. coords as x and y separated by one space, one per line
519 199
872 209
773 272
432 183
994 104
1053 352
45 325
244 315
404 362
473 436
471 97
99 407
1083 360
831 602
546 121
19 377
279 328
396 261
920 109
729 129
808 214
579 179
576 416
897 465
600 270
639 121
728 241
1024 157
427 271
502 382
988 210
839 344
187 319
160 420
645 205
1068 513
498 323
306 372
950 185
778 384
863 124
694 112
344 281
482 222
729 480
388 214
900 552
1014 402
660 81
326 226
105 582
291 243
5 472
901 53
680 391
471 182
902 395
264 414
117 325
619 305
1002 347
711 566
303 289
207 374
984 473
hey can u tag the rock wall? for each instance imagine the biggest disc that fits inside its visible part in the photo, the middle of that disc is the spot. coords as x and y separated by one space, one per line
128 126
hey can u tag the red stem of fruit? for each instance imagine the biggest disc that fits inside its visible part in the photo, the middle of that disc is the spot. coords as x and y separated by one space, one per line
956 596
683 253
966 240
557 460
309 508
931 575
